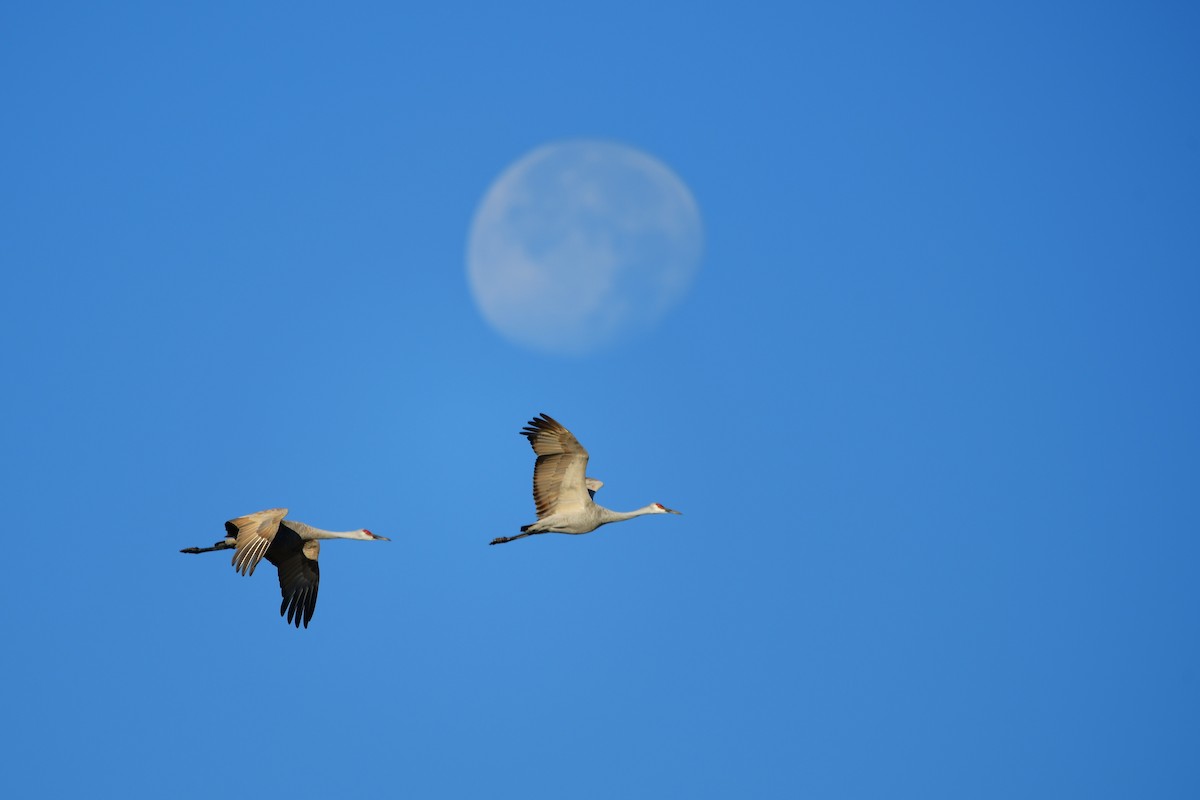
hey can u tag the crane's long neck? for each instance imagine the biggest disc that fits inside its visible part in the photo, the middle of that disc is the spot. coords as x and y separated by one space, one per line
608 515
308 532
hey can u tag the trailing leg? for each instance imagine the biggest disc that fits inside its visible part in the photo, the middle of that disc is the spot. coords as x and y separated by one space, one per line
503 539
218 546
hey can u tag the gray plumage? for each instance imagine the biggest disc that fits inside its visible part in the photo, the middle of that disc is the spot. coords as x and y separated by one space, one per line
562 494
292 546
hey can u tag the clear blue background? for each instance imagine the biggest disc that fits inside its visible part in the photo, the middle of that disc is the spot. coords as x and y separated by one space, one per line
930 410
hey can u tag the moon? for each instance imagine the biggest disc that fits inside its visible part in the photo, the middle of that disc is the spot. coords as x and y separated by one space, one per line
581 244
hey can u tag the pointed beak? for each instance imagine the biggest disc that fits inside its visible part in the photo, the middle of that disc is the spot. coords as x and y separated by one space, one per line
380 538
673 511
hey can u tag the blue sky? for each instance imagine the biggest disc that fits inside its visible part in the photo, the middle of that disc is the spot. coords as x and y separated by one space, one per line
929 409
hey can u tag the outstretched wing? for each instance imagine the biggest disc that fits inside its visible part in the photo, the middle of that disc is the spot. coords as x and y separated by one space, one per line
254 534
558 480
299 575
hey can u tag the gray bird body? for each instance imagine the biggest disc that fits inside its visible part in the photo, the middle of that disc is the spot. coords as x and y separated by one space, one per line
292 546
562 494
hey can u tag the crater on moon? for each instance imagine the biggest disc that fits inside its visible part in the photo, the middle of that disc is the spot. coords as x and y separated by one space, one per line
579 244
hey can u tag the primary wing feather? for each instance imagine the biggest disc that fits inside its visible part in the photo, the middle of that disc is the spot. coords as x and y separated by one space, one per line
254 533
299 574
558 476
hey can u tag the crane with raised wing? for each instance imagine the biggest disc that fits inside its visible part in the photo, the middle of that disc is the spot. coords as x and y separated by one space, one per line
562 493
291 546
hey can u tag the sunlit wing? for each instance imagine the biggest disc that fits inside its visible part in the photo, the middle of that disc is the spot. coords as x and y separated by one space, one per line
558 476
254 533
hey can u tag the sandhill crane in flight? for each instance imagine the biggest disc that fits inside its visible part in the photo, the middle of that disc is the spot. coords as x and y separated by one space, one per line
561 492
291 546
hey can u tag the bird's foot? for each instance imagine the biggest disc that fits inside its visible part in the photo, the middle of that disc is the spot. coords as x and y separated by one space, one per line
499 540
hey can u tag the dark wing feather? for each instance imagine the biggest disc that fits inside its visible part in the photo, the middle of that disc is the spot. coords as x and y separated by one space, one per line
299 575
558 480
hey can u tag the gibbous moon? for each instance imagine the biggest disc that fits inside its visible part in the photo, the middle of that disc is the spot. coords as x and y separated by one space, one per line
580 244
